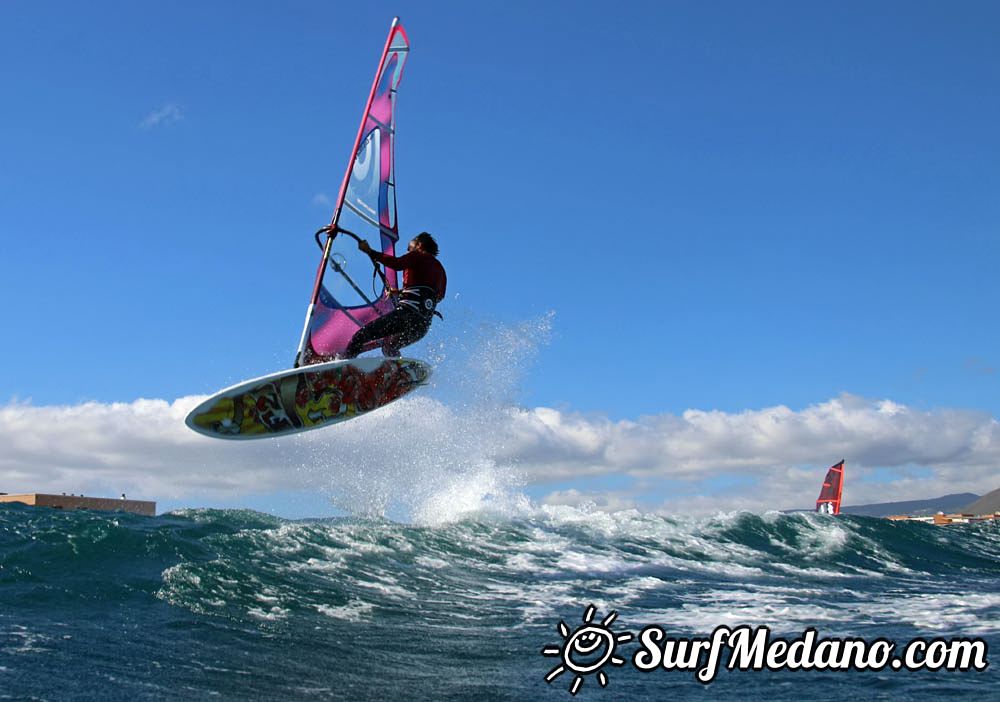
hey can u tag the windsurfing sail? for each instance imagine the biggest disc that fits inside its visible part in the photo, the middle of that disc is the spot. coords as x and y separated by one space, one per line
365 209
833 486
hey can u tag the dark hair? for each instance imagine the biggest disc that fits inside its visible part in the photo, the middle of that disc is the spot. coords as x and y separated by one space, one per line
427 243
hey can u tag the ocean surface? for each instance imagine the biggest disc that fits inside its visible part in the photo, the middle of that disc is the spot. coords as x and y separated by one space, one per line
214 604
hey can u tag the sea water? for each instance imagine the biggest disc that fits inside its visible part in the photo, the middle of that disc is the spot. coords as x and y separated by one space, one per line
211 604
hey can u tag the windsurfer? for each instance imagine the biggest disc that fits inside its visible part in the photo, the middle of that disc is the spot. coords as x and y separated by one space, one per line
424 283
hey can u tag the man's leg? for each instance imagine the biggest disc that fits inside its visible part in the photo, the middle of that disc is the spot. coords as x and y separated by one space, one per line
389 325
413 330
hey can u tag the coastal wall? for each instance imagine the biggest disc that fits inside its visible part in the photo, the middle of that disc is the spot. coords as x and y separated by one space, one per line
108 504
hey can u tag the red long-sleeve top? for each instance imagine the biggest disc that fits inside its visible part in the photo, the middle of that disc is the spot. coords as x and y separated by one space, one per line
419 269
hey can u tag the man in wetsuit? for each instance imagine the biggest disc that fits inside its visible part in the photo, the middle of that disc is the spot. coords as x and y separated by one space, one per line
424 283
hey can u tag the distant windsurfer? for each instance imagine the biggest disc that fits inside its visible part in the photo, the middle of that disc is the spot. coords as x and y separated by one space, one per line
424 283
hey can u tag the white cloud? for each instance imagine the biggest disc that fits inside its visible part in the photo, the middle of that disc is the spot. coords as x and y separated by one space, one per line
419 449
321 200
168 114
704 443
406 456
778 455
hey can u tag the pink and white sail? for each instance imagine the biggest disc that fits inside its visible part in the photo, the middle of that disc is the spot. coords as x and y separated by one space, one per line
365 207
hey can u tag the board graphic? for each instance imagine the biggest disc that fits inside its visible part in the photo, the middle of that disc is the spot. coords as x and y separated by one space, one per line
304 398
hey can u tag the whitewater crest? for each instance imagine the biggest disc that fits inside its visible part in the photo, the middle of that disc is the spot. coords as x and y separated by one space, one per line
786 571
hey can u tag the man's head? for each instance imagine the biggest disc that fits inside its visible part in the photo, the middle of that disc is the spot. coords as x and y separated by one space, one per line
423 242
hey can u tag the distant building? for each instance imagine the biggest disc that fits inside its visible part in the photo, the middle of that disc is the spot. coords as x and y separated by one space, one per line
104 504
942 519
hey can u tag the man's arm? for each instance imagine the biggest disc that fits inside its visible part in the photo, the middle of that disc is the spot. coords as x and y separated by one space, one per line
400 263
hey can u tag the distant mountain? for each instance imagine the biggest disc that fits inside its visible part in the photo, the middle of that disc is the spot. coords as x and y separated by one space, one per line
987 504
959 502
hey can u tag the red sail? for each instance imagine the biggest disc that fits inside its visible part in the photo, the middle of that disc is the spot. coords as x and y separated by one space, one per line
833 486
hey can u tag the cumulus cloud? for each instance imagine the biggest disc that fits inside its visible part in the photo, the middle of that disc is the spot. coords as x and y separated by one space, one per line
139 447
768 458
408 456
699 461
168 114
699 443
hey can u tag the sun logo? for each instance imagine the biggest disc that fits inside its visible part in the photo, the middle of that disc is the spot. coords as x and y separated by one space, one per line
586 650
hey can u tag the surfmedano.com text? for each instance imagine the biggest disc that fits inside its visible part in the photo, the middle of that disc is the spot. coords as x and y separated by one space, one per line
755 649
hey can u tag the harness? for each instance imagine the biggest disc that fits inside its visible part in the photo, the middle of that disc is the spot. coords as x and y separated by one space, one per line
422 299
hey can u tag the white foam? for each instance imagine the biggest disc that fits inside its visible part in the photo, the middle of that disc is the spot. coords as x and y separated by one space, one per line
702 612
431 562
273 614
591 562
353 611
964 612
389 589
28 641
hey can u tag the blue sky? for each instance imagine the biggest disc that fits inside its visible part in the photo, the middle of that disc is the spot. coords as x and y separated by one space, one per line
727 206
